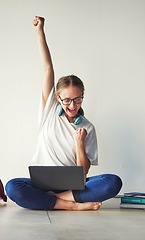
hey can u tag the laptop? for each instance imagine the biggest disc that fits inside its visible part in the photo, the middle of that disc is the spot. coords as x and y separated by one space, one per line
57 177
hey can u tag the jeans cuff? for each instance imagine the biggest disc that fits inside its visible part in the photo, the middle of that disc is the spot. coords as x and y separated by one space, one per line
76 195
53 200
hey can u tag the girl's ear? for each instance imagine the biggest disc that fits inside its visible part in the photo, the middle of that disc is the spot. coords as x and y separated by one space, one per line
57 97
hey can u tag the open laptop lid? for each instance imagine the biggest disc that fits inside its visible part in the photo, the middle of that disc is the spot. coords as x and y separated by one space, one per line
57 177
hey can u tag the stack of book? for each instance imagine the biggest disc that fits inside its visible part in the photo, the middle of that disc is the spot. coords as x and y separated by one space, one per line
133 200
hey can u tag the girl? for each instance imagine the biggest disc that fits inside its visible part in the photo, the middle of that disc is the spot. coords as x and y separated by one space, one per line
66 138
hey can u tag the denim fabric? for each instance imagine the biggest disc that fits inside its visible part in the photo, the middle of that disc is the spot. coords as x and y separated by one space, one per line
97 189
21 191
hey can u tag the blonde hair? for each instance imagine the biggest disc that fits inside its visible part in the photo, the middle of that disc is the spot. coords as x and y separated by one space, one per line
70 80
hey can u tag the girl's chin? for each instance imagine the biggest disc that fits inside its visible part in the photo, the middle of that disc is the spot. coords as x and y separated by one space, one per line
71 115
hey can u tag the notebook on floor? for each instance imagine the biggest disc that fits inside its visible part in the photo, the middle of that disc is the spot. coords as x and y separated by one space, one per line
57 177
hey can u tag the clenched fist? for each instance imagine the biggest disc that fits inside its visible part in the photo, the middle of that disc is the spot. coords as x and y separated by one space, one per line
80 135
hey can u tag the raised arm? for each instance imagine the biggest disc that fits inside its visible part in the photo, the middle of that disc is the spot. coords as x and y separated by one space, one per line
48 80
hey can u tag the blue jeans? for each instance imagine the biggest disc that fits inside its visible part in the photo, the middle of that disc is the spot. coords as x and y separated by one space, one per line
97 189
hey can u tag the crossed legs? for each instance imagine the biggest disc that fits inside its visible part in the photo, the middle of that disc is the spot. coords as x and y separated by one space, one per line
98 189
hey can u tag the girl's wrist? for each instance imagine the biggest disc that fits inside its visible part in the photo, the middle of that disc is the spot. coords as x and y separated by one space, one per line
40 32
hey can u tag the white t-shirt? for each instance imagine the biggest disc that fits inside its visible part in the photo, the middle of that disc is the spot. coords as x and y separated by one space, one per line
56 144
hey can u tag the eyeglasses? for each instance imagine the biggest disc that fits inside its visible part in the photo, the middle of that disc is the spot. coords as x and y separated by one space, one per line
67 101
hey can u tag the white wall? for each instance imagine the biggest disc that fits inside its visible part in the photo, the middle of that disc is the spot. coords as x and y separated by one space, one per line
102 41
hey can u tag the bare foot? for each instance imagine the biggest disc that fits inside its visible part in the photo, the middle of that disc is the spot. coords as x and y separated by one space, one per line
74 206
88 206
67 196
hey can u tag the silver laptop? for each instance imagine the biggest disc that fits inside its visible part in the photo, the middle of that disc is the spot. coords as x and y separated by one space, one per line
57 177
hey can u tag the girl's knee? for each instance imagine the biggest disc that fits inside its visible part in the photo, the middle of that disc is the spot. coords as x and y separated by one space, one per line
13 188
116 184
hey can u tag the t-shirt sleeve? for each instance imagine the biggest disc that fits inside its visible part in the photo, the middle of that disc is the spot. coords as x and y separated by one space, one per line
49 107
91 146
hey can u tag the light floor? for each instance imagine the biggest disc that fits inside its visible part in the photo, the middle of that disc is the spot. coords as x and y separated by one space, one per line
109 223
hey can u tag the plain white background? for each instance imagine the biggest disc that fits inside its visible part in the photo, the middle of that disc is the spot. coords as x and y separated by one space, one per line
101 41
